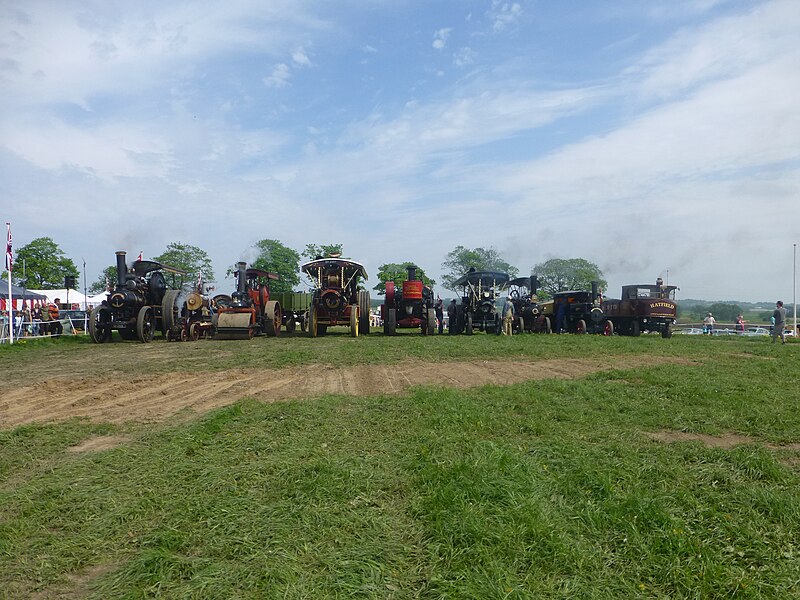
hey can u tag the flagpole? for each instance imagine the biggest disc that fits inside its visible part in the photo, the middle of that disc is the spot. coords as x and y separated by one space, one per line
10 295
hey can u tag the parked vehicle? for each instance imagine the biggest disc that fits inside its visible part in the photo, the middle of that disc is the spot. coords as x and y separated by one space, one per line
643 308
336 298
249 310
579 311
409 307
479 293
136 306
528 316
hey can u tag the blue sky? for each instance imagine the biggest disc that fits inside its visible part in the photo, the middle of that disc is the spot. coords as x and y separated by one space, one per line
644 136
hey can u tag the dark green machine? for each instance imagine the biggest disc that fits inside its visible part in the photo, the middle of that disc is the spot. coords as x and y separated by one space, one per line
295 307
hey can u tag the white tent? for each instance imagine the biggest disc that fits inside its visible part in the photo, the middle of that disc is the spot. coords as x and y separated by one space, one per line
65 296
97 299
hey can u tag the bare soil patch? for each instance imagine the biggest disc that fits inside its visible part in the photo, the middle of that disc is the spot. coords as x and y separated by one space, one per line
725 441
154 398
99 443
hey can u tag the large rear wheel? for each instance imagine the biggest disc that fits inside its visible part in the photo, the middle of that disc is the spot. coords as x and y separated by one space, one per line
580 327
354 320
145 324
635 329
170 312
100 324
431 321
390 324
364 307
311 318
273 318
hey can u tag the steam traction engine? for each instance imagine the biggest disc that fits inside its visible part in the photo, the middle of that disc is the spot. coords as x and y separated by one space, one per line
479 293
409 307
579 311
528 316
248 311
644 308
137 304
336 299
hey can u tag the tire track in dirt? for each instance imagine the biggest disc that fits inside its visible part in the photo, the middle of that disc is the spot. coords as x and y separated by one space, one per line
148 399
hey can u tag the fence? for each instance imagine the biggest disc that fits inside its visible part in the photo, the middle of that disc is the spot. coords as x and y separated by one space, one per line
31 330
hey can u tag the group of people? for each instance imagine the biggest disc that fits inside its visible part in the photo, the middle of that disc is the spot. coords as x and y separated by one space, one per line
777 321
42 319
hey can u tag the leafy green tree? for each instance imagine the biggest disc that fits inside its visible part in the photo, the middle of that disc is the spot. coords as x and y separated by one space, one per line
313 251
559 274
273 256
45 264
460 259
724 312
189 258
398 272
109 274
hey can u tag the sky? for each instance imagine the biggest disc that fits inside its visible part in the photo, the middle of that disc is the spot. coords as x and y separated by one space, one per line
651 138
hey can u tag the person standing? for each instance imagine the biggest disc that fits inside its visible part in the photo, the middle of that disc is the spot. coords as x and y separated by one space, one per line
708 323
451 317
439 308
508 316
740 324
780 322
55 325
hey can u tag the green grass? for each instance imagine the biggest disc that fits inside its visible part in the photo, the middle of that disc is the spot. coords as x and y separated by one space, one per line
548 489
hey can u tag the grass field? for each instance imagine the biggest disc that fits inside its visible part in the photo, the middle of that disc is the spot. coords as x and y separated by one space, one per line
674 480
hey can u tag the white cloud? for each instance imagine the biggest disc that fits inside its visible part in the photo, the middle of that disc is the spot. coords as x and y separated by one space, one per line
279 77
504 14
440 38
300 58
464 57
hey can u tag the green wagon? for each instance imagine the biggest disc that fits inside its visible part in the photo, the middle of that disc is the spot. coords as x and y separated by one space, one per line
295 307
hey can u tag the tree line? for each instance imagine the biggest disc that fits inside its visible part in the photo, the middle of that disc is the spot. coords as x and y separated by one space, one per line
46 266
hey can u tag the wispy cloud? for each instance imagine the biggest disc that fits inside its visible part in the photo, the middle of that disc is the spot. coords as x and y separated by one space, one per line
440 38
504 14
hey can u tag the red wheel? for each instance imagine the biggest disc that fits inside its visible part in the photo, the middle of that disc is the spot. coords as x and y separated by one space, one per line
608 328
580 327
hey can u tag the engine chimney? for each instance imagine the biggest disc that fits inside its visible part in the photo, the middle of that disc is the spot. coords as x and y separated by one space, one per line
412 272
241 279
122 269
595 286
534 285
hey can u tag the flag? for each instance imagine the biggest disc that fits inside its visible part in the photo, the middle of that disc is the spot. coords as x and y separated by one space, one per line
140 254
9 253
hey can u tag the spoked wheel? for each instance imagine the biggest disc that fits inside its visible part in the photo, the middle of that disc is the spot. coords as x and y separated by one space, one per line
608 328
311 317
184 335
194 332
100 324
521 324
290 324
354 320
145 324
273 318
580 327
666 333
548 328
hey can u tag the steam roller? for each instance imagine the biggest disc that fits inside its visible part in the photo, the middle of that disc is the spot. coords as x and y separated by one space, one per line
248 311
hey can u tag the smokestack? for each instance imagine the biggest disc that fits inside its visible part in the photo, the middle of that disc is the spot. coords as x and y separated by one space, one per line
122 269
595 285
412 272
241 283
534 284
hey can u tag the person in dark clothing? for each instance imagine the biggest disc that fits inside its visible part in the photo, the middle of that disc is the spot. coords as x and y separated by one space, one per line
780 322
439 308
451 317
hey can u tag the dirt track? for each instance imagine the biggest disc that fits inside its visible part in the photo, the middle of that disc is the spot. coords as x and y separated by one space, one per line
154 398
